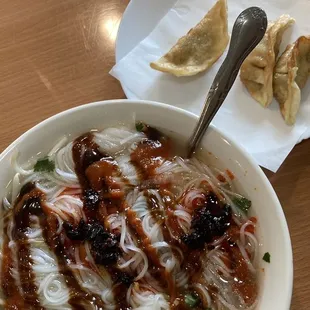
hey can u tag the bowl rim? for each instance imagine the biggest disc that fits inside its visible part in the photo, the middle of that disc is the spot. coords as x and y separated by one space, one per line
232 142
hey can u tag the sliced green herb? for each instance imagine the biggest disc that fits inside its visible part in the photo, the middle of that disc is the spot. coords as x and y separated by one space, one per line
243 203
139 126
44 165
192 300
266 257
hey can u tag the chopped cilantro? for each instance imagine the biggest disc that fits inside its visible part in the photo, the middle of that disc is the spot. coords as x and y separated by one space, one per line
139 126
243 203
266 257
192 300
44 165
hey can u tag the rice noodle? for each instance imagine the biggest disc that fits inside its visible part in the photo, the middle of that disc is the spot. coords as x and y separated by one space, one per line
246 257
141 297
114 140
51 285
207 302
136 258
192 181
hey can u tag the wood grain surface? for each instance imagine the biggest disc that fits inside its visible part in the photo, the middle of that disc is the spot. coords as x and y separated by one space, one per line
56 54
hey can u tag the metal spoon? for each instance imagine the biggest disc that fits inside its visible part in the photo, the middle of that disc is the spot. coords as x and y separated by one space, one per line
248 30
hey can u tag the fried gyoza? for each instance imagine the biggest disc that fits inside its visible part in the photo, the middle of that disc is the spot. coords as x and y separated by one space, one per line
201 47
291 74
257 70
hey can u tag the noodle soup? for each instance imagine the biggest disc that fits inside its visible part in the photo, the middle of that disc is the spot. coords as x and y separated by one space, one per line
116 219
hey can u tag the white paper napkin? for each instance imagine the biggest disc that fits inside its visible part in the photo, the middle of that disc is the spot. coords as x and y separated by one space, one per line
261 131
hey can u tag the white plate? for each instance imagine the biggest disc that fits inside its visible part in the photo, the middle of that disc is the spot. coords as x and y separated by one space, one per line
139 19
135 26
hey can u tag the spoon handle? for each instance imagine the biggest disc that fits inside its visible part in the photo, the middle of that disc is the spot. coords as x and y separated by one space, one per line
248 30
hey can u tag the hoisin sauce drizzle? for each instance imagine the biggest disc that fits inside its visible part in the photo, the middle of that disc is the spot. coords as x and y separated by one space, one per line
94 170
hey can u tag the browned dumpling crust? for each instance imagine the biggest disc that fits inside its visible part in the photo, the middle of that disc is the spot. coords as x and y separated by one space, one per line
201 47
290 76
257 70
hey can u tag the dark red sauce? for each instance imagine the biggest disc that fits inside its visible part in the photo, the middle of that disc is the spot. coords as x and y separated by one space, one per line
102 197
101 176
170 218
85 152
32 203
245 282
26 205
142 239
25 208
14 298
150 154
79 298
159 216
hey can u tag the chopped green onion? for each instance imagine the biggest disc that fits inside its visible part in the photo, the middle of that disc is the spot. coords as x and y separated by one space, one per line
44 165
266 257
192 300
242 203
139 126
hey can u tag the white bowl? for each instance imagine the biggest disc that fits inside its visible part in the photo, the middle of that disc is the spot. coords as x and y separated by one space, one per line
277 278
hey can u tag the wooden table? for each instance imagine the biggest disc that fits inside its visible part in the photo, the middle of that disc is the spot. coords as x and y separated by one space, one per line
55 55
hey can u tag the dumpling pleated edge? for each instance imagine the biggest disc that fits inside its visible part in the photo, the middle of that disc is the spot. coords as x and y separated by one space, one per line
201 47
256 72
290 76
